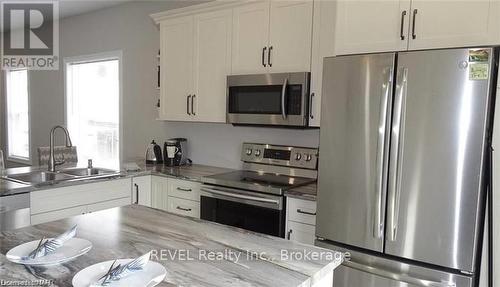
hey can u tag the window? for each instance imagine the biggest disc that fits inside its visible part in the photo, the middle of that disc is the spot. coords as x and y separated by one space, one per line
18 123
93 108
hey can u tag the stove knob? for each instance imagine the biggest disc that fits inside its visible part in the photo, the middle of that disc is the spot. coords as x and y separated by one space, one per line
257 152
249 151
298 156
309 157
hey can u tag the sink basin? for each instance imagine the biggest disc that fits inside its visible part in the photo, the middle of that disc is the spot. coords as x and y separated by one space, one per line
88 171
38 177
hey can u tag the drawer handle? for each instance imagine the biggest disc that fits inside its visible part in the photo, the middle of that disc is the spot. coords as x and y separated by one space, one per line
183 209
305 212
184 189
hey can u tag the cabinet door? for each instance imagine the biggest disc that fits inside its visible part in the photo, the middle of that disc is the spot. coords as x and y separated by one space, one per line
290 36
176 68
250 38
322 46
159 192
141 190
212 64
303 233
443 24
371 26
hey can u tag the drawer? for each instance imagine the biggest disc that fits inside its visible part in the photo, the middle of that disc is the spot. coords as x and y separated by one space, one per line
303 211
184 189
184 207
300 232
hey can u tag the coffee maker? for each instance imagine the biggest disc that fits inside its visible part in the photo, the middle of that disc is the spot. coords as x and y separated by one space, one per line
175 152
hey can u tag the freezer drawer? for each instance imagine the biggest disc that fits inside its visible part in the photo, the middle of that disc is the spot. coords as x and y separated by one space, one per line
364 270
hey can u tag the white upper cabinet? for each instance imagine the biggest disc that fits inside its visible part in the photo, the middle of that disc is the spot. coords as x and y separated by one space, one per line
445 24
323 45
250 38
272 37
176 68
371 26
290 36
212 64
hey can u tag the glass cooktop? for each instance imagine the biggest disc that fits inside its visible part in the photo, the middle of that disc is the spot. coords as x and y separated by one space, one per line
258 181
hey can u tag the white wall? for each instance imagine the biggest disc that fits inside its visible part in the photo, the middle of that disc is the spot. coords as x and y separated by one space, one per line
129 28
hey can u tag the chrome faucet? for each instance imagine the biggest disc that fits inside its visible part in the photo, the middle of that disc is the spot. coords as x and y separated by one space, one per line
52 161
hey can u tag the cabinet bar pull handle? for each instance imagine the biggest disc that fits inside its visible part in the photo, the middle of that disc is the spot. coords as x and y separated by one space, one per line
311 106
288 234
187 105
184 189
183 209
136 193
305 212
413 34
192 105
403 14
264 56
269 56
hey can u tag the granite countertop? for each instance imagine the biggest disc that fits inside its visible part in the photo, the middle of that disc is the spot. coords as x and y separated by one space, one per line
131 231
192 172
307 192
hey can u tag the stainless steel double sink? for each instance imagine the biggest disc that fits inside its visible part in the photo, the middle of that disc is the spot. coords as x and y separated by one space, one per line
70 174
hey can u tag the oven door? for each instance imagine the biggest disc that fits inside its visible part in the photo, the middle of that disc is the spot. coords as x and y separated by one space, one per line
268 99
244 209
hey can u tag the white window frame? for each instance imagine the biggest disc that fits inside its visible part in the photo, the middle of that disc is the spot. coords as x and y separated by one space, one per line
98 57
10 158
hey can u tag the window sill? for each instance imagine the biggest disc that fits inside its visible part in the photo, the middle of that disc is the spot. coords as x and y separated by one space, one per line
18 160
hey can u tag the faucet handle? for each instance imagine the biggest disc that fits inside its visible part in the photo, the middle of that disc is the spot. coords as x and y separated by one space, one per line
89 163
59 162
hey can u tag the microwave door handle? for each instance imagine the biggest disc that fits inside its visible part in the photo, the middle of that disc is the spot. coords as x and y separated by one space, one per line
283 95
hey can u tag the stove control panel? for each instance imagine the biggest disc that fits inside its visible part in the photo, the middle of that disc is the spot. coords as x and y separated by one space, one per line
299 157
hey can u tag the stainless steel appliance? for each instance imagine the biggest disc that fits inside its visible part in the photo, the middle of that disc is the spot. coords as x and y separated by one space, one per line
252 198
180 153
280 99
153 153
403 152
14 211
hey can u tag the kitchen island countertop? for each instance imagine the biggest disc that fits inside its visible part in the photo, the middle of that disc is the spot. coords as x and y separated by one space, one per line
131 231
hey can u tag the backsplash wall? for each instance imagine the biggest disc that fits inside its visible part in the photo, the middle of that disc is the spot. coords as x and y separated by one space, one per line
220 144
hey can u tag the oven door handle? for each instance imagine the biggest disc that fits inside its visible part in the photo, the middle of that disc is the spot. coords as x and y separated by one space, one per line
241 196
283 97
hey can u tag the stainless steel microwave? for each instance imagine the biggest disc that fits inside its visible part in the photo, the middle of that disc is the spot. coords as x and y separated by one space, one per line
280 99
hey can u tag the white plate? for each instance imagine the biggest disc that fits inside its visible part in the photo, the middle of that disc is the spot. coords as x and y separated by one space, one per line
151 275
71 249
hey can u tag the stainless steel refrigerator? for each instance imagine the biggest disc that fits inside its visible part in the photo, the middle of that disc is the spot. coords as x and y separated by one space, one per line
403 150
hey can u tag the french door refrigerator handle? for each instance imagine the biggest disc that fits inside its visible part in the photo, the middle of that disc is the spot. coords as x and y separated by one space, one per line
283 96
395 164
378 225
397 276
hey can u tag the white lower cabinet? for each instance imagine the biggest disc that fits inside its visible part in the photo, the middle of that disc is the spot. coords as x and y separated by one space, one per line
175 195
141 190
159 192
301 220
58 203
